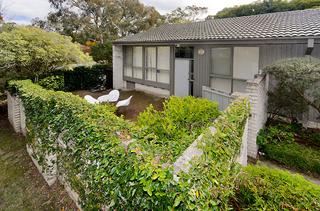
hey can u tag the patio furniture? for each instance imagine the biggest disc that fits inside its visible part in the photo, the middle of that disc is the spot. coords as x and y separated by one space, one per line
91 99
104 98
114 96
123 103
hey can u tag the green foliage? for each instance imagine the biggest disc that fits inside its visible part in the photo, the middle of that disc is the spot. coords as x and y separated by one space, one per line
83 77
266 6
185 15
26 52
102 53
279 144
210 182
54 82
298 86
263 188
177 126
95 156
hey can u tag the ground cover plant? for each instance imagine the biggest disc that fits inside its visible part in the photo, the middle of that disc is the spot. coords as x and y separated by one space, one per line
291 145
263 188
111 165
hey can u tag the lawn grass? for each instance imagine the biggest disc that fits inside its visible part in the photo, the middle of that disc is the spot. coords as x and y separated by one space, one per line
21 186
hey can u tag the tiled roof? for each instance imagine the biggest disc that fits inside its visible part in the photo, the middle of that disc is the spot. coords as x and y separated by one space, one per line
273 25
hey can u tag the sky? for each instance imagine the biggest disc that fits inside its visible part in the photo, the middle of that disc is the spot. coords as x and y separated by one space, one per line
22 11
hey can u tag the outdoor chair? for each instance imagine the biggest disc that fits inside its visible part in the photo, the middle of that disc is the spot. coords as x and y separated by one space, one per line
123 103
114 96
104 98
91 99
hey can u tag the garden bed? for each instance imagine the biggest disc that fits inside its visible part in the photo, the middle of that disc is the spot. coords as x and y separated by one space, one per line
291 145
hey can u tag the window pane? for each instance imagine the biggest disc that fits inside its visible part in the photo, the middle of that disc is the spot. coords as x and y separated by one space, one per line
221 61
246 62
137 72
239 86
150 57
164 76
128 62
221 84
151 74
128 71
164 58
137 56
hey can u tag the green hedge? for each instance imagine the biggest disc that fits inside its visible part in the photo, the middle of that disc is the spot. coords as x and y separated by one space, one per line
278 142
54 82
263 188
88 77
106 174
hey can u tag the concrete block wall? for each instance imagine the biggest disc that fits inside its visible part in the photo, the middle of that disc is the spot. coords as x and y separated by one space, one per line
14 112
117 61
257 91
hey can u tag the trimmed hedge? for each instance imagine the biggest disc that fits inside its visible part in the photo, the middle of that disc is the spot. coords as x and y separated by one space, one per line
96 158
54 82
263 188
278 142
88 77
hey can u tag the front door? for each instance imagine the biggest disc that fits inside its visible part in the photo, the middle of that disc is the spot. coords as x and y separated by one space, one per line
181 85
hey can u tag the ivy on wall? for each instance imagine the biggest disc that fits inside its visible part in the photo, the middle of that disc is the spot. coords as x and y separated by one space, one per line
115 164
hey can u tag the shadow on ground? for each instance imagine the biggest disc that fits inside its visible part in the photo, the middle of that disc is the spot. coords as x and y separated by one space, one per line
21 185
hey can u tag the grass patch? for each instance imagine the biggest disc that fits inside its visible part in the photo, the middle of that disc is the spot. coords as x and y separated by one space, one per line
263 188
291 145
21 186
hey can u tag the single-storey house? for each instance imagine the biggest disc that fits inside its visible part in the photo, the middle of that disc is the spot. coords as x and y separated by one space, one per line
221 54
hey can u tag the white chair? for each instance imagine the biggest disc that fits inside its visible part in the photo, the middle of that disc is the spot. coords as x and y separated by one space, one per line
114 96
123 103
91 99
104 98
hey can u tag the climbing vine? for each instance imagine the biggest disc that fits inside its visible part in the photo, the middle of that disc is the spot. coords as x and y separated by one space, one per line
115 164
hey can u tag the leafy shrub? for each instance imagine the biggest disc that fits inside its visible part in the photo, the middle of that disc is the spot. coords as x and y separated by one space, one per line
297 86
178 125
210 181
102 53
279 144
263 188
54 82
107 172
84 77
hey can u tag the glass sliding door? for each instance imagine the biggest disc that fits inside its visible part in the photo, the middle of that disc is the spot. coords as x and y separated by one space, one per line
137 62
151 63
128 56
163 65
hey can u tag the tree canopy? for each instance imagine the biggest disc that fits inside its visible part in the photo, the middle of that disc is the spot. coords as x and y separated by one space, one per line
298 86
29 52
185 15
102 20
265 6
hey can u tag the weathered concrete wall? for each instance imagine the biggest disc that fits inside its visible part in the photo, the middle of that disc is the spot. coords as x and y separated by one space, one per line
14 109
117 59
257 91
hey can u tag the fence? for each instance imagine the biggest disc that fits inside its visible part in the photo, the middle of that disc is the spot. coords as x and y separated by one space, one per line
223 99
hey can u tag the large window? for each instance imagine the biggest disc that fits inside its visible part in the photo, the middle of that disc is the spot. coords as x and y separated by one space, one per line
232 67
133 62
148 63
221 69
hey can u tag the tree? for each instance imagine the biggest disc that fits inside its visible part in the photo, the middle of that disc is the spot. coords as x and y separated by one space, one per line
103 20
186 15
29 52
102 53
265 6
298 85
